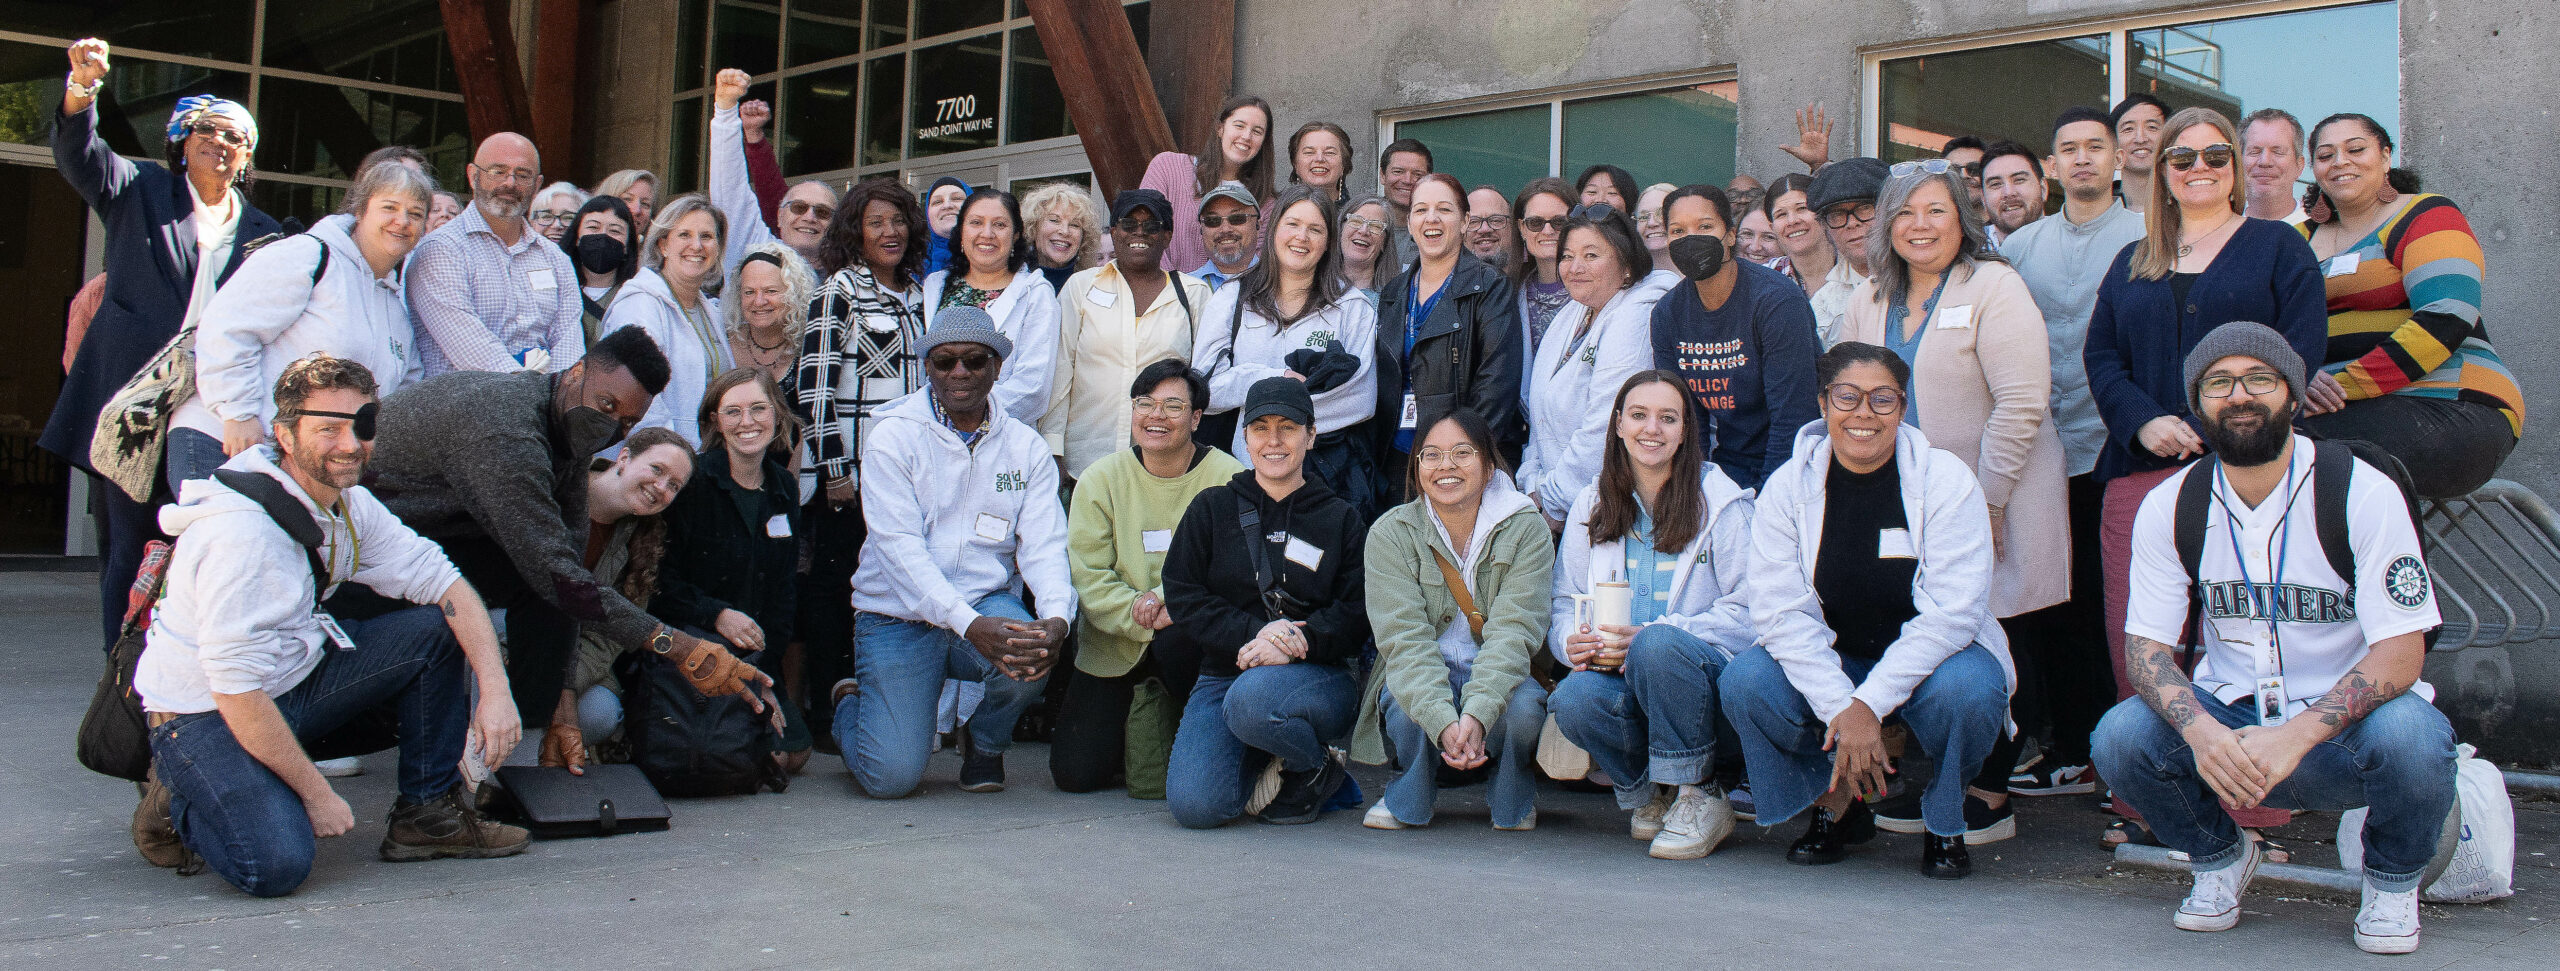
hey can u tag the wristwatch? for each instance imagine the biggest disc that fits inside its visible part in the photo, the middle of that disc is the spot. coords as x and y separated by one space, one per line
663 642
71 83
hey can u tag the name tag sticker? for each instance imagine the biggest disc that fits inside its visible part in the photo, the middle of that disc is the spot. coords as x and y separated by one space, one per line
540 280
1102 298
1410 413
1895 544
779 527
2344 264
1304 553
337 634
1156 540
994 528
1955 318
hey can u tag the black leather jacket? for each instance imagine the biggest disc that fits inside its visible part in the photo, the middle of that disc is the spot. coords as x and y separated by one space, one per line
1468 355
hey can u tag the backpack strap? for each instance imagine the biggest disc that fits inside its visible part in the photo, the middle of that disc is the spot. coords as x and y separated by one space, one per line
288 515
1254 552
2332 466
1183 296
2195 503
1458 590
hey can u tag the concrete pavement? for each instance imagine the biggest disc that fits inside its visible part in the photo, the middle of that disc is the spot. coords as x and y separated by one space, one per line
823 877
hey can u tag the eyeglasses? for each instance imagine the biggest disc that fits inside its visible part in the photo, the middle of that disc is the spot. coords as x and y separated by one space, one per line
550 217
2215 156
1847 397
1841 217
796 208
223 133
1460 455
1540 224
1648 217
2257 383
973 360
760 411
502 175
1140 227
1363 222
1211 221
1168 407
1933 166
1488 222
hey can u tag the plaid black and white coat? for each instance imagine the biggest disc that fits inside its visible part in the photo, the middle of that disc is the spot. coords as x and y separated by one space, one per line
856 324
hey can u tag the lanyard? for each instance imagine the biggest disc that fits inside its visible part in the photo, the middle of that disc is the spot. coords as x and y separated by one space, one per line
2272 662
710 349
1421 311
355 544
1907 345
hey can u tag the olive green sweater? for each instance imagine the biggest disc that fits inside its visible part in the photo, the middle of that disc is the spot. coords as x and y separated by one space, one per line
1511 558
1116 507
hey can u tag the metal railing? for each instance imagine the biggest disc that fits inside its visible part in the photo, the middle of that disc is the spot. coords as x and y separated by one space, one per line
2495 555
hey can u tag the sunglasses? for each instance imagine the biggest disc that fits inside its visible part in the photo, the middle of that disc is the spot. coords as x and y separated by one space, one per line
1839 218
1594 211
2215 156
223 133
1211 221
361 420
797 208
1140 227
973 360
1540 224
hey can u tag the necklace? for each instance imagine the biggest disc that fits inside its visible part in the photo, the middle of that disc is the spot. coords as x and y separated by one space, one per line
762 346
2186 248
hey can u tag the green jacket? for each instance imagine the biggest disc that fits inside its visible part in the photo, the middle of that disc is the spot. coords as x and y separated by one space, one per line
1512 558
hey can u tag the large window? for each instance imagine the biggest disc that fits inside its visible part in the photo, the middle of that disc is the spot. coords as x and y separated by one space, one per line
2311 61
1666 131
329 81
861 87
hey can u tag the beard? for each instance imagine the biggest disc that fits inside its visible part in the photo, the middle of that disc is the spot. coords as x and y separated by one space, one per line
315 467
2257 444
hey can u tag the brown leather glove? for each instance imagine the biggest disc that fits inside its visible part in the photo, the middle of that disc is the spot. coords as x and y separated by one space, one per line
715 672
565 747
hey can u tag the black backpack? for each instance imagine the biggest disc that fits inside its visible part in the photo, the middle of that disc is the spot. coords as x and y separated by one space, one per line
690 745
2332 464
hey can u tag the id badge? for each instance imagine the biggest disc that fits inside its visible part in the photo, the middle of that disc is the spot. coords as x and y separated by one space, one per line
1410 413
2271 701
337 635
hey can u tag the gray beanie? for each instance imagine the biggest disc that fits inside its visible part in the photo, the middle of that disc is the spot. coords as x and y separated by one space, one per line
966 325
2241 338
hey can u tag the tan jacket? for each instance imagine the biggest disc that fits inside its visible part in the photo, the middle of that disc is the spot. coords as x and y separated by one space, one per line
1984 389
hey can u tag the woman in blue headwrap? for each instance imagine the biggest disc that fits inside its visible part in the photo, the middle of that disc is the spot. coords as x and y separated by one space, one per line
170 235
942 202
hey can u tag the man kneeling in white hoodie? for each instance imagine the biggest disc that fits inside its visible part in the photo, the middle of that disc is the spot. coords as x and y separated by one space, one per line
242 669
962 501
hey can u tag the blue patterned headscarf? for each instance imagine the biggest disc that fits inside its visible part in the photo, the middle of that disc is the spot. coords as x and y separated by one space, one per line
192 108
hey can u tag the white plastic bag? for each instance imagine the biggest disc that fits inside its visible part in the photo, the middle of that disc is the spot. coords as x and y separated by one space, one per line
2482 865
1558 756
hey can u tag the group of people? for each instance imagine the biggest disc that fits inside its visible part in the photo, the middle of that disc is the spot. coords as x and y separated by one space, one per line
1237 478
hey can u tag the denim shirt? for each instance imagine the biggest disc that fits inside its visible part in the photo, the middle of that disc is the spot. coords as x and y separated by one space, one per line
1650 572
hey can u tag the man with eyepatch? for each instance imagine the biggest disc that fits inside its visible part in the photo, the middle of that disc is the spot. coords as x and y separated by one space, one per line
244 671
961 501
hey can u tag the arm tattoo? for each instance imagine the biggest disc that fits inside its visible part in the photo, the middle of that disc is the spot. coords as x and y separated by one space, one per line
2354 697
449 610
2153 669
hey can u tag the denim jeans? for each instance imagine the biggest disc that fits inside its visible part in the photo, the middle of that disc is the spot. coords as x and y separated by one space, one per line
1655 723
1511 743
192 455
247 824
885 728
2398 760
1286 710
1956 714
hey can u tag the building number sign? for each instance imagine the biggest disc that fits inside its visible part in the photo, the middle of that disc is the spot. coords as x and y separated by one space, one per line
955 116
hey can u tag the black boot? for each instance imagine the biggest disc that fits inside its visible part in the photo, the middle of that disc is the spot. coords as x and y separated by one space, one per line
1827 840
1945 858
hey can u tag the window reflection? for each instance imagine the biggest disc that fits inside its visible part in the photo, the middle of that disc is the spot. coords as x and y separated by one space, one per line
323 130
821 136
216 29
1505 148
384 41
1928 100
1680 135
2312 63
956 102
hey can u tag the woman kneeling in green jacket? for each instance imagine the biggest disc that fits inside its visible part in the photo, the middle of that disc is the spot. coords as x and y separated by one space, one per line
1458 582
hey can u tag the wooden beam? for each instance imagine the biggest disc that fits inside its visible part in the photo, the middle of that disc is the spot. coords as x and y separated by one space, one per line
559 114
484 62
1108 92
1193 56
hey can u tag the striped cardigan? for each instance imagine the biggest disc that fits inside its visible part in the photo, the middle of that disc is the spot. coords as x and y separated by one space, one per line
2404 313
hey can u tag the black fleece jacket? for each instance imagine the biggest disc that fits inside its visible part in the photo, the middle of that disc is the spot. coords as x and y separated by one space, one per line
1208 575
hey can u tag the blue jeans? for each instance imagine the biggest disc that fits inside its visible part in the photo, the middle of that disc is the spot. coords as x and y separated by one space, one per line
885 728
192 455
1286 710
247 824
2398 760
1511 744
1653 724
1956 714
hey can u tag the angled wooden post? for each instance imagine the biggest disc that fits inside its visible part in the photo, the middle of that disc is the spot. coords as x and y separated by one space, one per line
484 63
1108 92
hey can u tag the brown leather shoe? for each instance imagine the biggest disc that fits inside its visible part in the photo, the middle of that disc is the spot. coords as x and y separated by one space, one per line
448 826
154 836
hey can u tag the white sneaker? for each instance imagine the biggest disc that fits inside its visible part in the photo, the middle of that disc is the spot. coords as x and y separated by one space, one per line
1265 789
2214 904
1647 822
340 768
1527 823
1699 819
1380 818
2387 923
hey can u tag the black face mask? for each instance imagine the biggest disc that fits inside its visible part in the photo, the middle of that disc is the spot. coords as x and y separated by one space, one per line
590 431
599 253
1698 255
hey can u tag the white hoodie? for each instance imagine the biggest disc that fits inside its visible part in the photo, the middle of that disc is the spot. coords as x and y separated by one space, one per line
1712 604
269 315
951 524
1262 350
1026 313
237 615
696 346
1572 384
1951 589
